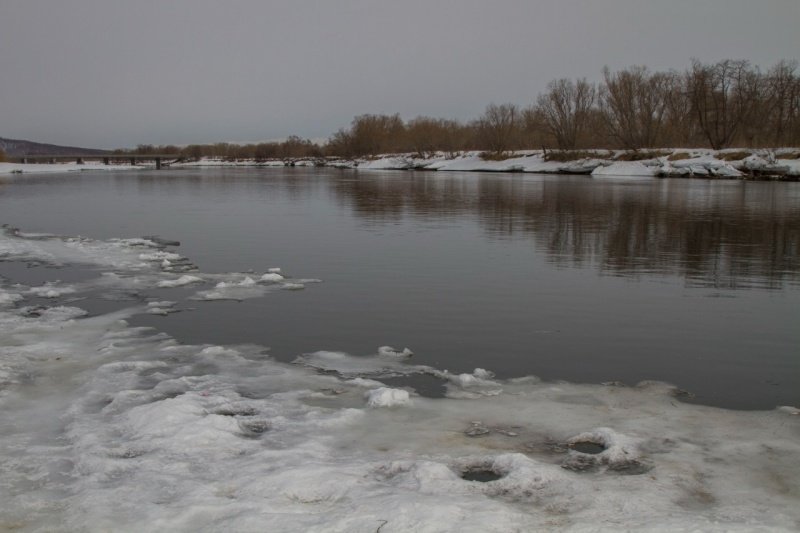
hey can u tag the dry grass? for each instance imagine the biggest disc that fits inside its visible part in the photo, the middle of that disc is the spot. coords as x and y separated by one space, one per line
570 155
677 156
790 155
495 156
733 156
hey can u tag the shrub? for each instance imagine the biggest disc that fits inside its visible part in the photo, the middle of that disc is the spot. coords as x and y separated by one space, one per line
641 155
569 155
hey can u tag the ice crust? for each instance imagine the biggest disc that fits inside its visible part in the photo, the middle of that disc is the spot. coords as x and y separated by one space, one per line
110 427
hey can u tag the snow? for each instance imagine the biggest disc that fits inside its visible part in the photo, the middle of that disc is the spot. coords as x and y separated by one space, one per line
47 168
111 427
624 168
700 163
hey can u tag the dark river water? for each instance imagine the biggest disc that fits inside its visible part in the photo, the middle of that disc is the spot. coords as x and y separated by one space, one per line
692 282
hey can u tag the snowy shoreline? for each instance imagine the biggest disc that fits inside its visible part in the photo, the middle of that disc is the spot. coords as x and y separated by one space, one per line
762 164
781 164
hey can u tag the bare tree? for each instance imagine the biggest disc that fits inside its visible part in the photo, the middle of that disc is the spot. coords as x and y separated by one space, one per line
783 98
722 96
633 103
499 128
376 134
565 109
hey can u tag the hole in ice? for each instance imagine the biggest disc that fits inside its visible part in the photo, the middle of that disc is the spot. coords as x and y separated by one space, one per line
230 410
480 475
253 427
589 447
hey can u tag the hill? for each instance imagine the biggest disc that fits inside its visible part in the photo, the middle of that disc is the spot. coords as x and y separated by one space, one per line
18 148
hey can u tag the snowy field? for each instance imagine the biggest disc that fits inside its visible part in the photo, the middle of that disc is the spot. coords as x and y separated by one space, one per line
110 427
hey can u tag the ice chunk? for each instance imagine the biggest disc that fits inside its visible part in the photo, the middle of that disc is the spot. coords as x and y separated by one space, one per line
386 397
9 298
51 290
179 282
392 352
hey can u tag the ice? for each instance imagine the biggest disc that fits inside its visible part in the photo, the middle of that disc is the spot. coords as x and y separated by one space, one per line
186 279
111 427
389 351
387 397
162 308
9 298
271 276
347 365
51 290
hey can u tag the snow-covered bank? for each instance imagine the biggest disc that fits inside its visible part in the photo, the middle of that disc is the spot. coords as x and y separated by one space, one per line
50 168
781 164
747 164
673 163
110 427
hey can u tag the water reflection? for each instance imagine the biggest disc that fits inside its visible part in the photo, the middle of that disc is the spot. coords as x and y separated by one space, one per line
714 234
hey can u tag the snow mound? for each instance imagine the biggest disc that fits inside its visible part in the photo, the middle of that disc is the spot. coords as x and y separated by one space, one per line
625 168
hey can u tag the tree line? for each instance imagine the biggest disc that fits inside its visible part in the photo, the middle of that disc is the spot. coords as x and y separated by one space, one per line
291 148
716 105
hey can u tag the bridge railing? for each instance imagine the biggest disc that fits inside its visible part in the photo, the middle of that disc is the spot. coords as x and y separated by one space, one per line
107 159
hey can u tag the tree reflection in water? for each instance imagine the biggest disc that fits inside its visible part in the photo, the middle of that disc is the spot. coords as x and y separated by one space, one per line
723 234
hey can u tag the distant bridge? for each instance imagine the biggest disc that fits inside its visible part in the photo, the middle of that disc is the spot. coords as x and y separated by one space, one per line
107 159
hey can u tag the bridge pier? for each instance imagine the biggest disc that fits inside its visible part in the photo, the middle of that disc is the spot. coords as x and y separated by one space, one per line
52 160
158 163
79 161
106 160
133 161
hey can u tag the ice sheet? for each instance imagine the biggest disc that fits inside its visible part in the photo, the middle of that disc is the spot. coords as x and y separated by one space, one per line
110 427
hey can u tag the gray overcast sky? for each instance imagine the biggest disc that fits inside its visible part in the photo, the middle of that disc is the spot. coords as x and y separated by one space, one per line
112 73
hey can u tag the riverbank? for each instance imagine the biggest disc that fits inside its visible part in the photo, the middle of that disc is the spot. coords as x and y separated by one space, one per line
762 164
781 164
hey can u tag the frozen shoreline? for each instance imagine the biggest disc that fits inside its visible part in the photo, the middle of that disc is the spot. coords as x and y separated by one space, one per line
700 163
764 164
107 426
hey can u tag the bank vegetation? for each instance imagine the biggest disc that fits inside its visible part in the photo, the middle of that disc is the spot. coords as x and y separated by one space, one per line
708 105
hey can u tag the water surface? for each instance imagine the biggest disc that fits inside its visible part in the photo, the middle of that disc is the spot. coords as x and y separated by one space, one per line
692 282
